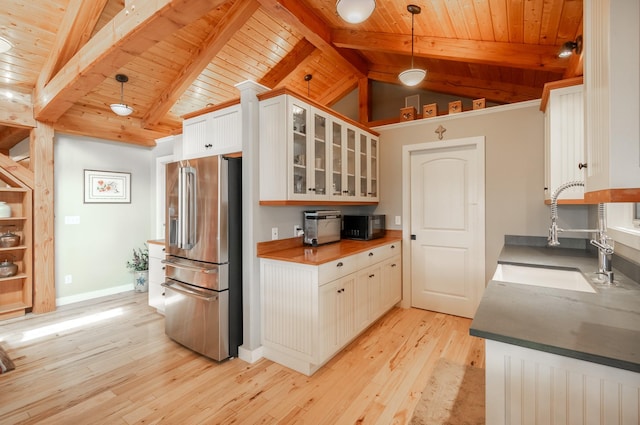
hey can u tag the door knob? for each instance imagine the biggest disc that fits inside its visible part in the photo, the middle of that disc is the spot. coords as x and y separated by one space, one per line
582 165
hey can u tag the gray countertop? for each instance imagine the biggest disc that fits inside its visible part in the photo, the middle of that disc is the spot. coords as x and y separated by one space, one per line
601 328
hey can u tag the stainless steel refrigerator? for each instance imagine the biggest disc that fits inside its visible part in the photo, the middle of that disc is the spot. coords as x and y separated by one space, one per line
203 287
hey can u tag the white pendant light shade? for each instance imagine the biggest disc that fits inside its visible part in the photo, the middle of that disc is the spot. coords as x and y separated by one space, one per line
5 45
121 108
412 77
355 11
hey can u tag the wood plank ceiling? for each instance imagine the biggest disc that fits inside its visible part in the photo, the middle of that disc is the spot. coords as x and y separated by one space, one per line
184 55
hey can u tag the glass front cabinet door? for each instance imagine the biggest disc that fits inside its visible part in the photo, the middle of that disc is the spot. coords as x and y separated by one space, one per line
310 152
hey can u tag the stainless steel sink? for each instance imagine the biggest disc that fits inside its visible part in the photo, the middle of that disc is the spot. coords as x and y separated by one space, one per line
552 278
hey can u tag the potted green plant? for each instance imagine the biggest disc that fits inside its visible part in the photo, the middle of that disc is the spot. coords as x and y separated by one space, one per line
139 265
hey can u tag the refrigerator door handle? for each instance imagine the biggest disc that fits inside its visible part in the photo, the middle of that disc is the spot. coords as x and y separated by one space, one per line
189 292
187 206
188 267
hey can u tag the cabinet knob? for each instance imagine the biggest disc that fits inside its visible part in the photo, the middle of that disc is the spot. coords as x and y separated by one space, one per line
164 268
393 246
312 189
345 191
393 265
339 264
371 254
372 275
582 165
208 145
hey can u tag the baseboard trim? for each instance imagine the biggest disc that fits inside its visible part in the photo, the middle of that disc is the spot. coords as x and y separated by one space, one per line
93 294
250 356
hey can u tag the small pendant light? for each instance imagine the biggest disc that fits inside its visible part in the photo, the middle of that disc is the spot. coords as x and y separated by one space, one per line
121 108
413 76
355 11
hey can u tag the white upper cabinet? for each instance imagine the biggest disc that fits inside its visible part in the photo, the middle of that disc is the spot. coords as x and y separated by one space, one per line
213 133
564 142
310 155
612 100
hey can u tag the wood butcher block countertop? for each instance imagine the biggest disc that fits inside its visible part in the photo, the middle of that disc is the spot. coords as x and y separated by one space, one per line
293 250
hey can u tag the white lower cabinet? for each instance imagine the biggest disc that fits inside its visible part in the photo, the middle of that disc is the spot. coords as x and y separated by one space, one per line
156 276
309 313
525 386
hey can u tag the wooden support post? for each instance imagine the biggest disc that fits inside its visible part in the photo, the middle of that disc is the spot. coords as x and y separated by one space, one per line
41 148
364 102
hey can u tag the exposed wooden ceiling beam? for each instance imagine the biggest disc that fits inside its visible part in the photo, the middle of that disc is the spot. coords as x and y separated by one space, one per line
494 91
217 38
128 35
75 30
296 14
525 56
128 130
11 136
288 64
16 107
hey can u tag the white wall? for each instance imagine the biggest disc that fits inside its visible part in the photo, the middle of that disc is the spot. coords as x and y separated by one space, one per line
514 177
95 251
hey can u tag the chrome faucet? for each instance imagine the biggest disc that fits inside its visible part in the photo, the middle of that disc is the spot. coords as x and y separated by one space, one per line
603 242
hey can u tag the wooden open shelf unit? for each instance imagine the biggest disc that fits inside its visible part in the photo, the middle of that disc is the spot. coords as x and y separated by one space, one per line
16 292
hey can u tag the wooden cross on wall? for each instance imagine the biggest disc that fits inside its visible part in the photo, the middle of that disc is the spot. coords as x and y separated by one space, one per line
440 130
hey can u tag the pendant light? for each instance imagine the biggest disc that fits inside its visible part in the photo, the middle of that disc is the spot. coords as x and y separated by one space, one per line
355 11
120 108
412 76
5 45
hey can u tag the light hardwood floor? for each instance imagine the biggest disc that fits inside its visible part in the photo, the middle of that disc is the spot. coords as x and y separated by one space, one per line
108 361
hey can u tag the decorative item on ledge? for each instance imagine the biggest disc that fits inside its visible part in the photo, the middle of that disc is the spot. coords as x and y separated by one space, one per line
430 110
455 107
479 103
408 113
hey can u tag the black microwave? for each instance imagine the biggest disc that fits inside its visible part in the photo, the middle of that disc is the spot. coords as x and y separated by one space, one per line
363 227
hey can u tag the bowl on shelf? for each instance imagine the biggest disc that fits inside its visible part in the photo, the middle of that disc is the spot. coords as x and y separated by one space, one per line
9 240
8 269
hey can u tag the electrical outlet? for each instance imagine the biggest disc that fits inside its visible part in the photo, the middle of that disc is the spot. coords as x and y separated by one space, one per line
398 220
68 279
274 233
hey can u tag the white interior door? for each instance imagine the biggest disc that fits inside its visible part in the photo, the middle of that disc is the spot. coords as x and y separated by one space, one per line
447 226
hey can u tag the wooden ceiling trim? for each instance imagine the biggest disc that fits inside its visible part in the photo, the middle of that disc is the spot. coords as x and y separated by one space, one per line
76 27
315 30
231 22
288 64
482 52
127 36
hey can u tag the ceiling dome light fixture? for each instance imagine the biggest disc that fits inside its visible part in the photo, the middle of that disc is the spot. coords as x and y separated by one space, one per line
120 108
568 48
355 11
413 76
5 45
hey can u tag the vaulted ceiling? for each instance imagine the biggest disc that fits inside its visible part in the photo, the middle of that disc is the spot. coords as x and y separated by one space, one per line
184 55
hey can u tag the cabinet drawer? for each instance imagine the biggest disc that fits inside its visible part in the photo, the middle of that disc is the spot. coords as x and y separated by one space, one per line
156 250
156 270
336 269
380 253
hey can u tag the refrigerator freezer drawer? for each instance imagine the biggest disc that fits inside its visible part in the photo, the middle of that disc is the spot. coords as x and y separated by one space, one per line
198 319
197 273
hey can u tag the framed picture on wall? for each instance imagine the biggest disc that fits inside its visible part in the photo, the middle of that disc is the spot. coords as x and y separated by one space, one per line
107 187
